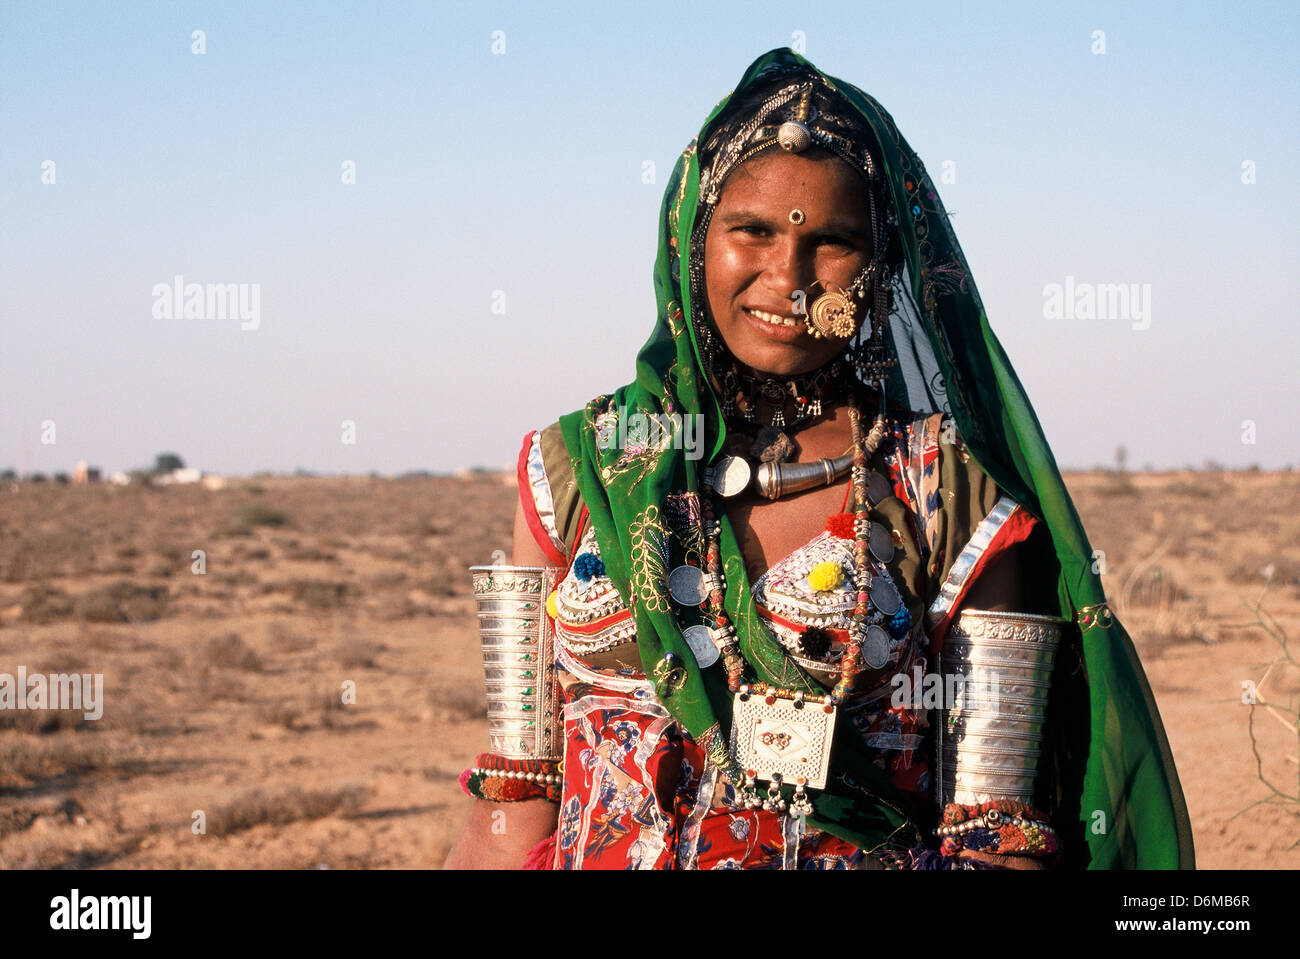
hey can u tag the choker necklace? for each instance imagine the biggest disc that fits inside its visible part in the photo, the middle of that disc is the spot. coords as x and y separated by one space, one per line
741 392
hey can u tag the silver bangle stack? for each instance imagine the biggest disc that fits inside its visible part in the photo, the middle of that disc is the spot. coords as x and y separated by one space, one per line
988 744
518 660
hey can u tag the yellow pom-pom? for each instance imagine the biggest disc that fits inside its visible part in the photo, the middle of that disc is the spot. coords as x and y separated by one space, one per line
550 603
827 575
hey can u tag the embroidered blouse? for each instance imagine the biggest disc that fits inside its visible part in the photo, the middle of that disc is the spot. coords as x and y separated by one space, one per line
638 792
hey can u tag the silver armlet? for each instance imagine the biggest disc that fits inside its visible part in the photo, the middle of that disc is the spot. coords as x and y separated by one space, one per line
988 739
519 660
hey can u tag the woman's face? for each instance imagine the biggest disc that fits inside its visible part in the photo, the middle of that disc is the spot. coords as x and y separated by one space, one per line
756 257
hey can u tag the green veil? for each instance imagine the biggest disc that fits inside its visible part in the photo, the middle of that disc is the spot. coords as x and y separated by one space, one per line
1119 803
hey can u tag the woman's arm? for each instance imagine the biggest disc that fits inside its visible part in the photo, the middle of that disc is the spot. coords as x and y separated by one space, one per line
500 835
1003 587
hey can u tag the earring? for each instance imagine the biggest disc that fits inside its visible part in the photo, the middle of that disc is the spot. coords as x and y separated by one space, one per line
870 354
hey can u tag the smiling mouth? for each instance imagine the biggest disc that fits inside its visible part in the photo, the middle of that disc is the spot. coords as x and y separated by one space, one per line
772 319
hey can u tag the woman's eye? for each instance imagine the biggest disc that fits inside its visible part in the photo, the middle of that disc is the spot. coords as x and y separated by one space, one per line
753 229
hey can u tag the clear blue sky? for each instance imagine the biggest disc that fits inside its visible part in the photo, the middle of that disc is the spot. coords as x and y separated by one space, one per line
478 172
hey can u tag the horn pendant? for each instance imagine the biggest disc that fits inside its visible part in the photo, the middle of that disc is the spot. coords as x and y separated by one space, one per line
780 479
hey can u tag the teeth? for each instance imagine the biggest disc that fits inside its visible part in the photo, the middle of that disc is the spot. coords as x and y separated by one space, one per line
772 318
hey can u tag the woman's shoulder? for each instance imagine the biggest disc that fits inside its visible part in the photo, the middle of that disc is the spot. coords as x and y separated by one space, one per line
548 492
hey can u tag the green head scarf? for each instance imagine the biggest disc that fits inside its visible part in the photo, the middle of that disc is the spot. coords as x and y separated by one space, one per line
1118 800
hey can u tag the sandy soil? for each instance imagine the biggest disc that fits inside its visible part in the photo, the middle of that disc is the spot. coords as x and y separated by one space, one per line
224 690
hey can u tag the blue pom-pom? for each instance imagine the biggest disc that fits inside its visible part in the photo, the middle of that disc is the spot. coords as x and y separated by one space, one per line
900 624
588 565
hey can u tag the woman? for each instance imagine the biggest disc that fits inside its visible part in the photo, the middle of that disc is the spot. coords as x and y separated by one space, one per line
737 634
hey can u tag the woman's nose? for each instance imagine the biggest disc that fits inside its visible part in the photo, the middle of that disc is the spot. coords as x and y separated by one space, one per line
789 268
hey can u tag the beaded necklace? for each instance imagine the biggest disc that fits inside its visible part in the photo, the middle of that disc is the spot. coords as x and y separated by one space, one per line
865 630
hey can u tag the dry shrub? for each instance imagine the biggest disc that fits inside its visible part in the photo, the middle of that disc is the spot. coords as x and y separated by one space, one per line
293 804
287 640
280 713
28 760
230 651
1260 568
43 603
122 601
259 514
105 640
168 666
168 660
388 579
1118 484
159 569
42 721
388 607
318 593
1153 589
63 658
459 700
235 575
310 554
359 653
215 686
17 563
257 552
1200 485
443 585
1158 613
17 820
332 706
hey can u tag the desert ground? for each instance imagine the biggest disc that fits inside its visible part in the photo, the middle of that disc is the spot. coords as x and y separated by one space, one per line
225 741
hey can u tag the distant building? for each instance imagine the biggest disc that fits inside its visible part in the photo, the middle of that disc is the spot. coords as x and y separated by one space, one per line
83 474
179 476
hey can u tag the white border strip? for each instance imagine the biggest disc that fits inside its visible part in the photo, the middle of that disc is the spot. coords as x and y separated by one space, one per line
541 487
968 557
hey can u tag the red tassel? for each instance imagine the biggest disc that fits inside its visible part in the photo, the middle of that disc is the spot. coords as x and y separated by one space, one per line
841 525
542 855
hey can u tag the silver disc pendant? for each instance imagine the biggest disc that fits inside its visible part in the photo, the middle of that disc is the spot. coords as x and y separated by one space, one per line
884 596
686 585
878 488
875 651
731 476
697 637
881 543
